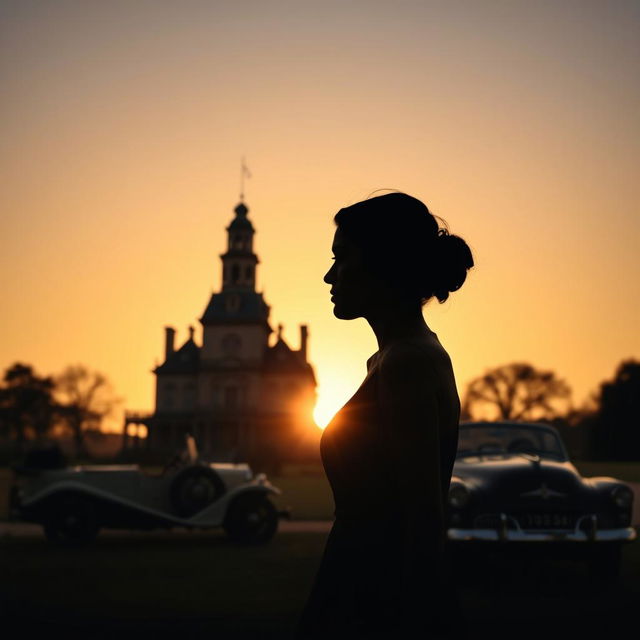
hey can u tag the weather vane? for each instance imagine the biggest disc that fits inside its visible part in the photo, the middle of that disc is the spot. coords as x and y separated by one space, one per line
244 173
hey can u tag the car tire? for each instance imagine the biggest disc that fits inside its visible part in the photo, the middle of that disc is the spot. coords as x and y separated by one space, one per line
605 562
71 521
251 519
195 488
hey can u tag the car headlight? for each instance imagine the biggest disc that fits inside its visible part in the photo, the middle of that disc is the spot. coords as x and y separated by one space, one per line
459 496
622 496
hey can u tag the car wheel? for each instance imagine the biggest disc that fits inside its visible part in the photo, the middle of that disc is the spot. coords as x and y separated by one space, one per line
605 562
195 488
71 521
251 519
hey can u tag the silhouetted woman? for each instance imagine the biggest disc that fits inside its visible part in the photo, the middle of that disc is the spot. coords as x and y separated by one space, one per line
389 452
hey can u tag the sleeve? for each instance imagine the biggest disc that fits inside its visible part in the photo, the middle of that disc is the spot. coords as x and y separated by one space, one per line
408 402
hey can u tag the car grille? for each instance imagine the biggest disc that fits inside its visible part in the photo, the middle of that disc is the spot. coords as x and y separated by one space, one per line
545 520
530 520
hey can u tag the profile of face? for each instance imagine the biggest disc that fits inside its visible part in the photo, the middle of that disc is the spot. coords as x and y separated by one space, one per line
355 292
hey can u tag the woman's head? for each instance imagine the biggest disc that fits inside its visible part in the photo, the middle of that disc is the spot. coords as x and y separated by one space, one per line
390 249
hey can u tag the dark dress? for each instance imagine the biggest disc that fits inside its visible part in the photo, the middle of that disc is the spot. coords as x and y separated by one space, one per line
383 573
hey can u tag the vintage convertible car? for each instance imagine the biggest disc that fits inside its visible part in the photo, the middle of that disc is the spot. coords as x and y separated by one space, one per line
513 484
74 503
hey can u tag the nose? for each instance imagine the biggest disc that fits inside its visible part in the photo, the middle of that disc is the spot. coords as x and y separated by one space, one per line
329 276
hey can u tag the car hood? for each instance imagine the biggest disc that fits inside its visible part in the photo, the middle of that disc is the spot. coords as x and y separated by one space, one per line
520 476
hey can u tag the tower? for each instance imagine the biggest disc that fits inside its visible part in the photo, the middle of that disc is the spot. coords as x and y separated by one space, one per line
236 320
239 262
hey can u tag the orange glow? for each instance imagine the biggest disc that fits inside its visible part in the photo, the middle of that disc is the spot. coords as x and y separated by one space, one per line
121 155
324 411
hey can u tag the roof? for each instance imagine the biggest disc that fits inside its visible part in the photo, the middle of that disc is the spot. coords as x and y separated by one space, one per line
185 360
282 359
241 221
239 307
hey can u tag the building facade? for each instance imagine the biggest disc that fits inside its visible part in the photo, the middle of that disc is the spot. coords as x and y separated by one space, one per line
243 398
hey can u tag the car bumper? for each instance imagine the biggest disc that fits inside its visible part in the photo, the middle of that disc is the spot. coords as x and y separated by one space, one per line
586 530
491 535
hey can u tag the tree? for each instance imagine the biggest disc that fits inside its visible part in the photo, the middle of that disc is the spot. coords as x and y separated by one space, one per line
616 421
516 391
86 398
27 406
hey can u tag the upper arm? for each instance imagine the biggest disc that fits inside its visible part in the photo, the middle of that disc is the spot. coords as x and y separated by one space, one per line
409 417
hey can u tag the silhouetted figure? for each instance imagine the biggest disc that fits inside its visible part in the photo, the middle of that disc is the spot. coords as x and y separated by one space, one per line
389 452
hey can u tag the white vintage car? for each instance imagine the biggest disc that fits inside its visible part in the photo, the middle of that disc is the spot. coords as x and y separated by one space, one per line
74 503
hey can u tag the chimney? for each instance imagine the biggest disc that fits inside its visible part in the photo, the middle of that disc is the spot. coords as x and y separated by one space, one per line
304 335
170 334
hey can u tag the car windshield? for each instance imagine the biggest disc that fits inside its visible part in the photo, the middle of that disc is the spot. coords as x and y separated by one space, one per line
474 439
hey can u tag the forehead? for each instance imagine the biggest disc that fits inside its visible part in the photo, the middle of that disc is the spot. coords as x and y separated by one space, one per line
341 242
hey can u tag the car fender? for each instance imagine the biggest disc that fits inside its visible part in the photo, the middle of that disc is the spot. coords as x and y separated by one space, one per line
214 514
602 483
33 503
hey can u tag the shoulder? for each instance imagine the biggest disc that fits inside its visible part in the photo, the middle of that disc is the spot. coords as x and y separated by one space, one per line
413 360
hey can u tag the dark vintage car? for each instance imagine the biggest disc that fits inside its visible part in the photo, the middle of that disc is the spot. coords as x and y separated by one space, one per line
513 484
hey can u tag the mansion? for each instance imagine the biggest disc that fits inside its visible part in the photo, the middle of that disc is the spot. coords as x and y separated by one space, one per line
241 397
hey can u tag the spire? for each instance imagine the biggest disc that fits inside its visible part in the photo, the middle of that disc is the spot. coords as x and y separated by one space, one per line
244 173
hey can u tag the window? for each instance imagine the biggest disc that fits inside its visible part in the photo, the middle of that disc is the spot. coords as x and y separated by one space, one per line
215 395
231 344
169 397
189 396
238 243
231 398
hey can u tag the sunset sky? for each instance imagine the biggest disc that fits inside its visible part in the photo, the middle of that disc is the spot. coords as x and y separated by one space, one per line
124 123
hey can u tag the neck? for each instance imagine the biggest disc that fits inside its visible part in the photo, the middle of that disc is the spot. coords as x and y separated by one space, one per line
391 323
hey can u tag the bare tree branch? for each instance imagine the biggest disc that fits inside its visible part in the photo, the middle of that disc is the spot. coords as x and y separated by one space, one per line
517 391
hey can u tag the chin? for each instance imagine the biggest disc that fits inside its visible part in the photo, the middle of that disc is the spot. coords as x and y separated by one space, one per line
344 313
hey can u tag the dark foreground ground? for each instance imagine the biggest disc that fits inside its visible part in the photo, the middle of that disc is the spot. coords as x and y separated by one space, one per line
199 585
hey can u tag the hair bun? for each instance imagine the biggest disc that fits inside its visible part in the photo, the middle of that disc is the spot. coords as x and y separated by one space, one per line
455 259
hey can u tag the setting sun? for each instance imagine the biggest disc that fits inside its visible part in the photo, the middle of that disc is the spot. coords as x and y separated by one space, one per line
323 412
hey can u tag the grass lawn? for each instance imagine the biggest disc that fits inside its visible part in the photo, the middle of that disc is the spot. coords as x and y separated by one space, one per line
199 585
147 581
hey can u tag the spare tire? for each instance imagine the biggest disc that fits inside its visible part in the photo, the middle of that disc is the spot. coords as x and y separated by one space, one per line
195 488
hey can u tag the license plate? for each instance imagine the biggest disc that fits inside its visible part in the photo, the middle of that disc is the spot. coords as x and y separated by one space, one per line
546 520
